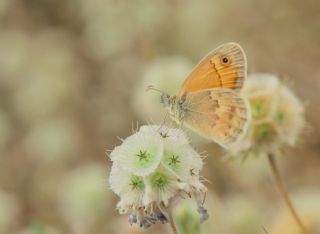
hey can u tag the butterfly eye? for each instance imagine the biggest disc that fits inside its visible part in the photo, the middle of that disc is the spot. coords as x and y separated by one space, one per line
225 60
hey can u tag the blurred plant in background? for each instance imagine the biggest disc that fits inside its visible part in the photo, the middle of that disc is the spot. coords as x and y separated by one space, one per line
277 116
308 203
187 219
83 197
5 129
9 212
53 141
40 228
243 215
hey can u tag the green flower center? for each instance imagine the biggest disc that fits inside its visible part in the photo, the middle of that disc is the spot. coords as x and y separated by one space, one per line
259 108
159 180
173 160
144 156
264 132
279 117
164 134
136 183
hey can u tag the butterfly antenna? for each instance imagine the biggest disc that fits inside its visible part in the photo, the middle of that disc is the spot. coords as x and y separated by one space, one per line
150 87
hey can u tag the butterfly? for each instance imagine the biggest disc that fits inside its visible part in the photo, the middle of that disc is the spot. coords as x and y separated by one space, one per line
209 101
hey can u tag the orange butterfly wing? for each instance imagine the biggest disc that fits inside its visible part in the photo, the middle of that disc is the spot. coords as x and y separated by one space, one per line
224 67
217 114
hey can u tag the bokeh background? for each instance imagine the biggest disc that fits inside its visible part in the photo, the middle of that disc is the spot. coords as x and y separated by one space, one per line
72 78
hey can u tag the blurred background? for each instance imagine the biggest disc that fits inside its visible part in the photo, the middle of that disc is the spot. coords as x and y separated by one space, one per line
72 78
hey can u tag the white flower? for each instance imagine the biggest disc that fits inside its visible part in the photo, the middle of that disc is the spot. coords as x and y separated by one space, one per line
128 186
139 154
161 185
150 169
277 116
178 159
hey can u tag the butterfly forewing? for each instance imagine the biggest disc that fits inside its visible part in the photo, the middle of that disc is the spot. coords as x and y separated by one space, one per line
224 67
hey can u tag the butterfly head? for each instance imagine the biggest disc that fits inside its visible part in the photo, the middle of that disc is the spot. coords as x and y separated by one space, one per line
175 106
167 100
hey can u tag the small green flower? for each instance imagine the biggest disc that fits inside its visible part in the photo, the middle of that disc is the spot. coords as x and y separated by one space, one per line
174 159
137 183
259 107
139 154
279 117
144 156
124 183
264 132
159 180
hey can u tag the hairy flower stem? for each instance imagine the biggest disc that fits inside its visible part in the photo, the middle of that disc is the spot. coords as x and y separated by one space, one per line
284 193
171 222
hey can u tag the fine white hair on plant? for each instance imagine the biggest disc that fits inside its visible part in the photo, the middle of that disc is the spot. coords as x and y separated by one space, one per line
152 168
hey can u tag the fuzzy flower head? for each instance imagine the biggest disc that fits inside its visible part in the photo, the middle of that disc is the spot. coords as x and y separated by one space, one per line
277 116
151 168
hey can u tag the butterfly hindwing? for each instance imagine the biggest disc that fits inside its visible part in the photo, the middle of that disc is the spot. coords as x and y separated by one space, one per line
217 114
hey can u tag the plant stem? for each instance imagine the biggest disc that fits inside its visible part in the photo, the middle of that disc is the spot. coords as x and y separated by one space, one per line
171 222
284 193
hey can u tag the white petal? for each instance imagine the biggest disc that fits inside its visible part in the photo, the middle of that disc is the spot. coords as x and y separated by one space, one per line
174 134
178 158
163 194
120 182
196 160
127 154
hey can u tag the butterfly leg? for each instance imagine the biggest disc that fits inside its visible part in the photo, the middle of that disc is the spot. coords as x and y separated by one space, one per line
164 121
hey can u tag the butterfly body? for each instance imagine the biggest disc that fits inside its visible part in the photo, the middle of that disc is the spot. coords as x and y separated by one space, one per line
176 106
210 101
